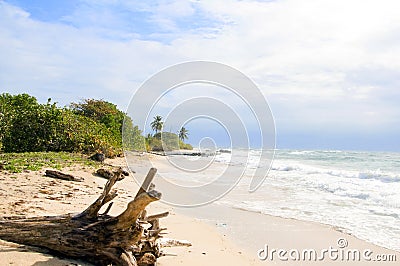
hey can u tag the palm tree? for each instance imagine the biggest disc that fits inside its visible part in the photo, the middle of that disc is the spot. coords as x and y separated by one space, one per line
183 134
157 124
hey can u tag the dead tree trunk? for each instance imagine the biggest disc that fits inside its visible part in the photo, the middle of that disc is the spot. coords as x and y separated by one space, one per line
97 238
62 176
109 174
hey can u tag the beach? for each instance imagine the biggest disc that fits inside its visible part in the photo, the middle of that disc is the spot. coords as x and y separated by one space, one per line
219 234
256 132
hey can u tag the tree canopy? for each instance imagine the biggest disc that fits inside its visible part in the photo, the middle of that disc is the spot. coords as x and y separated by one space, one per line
166 141
183 134
102 112
157 124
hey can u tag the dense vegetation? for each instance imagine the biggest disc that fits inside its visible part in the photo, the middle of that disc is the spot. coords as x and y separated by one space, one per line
166 141
85 127
89 126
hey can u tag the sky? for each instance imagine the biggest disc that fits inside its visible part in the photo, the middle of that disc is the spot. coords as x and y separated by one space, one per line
329 69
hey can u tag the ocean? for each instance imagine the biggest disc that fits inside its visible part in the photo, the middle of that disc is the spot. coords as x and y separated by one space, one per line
358 192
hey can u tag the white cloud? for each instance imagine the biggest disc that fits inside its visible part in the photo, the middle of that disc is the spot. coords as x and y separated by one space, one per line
308 51
325 64
58 60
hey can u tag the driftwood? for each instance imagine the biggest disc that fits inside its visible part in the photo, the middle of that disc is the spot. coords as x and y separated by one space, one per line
98 238
168 242
107 174
156 216
62 176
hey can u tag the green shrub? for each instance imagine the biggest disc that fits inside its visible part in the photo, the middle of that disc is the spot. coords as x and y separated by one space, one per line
82 134
185 146
102 112
28 126
120 125
166 141
132 136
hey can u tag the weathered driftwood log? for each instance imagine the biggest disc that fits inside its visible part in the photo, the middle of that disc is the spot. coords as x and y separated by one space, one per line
62 176
156 216
97 238
107 174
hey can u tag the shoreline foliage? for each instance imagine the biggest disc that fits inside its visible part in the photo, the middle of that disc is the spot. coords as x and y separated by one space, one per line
86 127
166 141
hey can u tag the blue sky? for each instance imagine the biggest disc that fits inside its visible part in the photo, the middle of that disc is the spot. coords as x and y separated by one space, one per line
330 70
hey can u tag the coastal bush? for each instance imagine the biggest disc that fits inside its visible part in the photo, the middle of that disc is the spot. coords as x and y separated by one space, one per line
102 112
26 124
82 134
133 139
185 146
94 125
166 141
116 121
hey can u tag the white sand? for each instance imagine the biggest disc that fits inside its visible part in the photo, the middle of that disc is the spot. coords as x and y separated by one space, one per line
234 240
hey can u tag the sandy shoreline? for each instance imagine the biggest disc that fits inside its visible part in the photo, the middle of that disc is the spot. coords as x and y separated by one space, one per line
219 235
